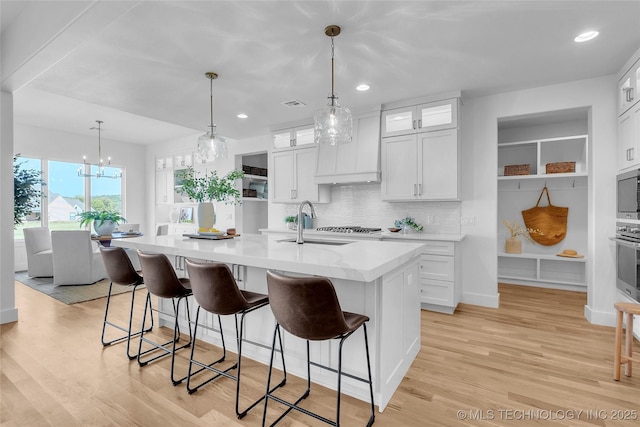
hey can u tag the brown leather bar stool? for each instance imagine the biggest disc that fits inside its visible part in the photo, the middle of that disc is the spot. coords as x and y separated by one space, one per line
308 308
629 309
121 272
216 291
161 280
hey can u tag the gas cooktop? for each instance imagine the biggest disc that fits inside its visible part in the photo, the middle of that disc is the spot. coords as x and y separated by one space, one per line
349 229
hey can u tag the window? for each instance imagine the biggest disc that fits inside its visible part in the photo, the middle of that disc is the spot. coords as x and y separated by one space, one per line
65 195
106 192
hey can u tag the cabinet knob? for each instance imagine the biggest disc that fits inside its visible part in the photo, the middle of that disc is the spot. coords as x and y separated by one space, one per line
420 124
414 124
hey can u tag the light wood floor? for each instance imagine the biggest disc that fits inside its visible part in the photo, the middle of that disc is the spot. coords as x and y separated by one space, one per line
534 357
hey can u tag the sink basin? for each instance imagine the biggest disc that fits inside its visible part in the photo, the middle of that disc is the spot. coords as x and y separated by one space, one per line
320 242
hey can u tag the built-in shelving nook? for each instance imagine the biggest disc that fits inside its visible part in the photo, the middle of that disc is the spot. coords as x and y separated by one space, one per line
253 213
538 140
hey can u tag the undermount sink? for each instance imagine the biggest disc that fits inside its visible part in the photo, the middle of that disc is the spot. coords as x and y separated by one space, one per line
320 242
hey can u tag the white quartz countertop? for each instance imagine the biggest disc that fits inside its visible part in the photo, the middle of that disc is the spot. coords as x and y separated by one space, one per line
360 260
384 235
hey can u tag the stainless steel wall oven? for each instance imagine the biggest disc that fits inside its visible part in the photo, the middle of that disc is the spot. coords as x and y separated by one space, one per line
628 259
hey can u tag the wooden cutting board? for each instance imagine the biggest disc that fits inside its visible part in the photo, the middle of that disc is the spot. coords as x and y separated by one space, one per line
201 236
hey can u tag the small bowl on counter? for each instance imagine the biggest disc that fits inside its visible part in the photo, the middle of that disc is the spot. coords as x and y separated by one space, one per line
394 229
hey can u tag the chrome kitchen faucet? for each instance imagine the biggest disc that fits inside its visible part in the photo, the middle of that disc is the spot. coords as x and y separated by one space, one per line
300 239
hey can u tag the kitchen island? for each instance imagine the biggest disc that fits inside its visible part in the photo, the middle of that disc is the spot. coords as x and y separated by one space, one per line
378 279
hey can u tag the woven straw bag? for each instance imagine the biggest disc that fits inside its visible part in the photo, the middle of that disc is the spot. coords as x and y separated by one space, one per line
547 224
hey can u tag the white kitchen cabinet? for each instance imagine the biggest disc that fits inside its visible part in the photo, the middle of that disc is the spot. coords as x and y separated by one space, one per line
422 166
628 87
164 163
426 117
440 283
183 161
629 138
164 187
298 136
291 172
358 161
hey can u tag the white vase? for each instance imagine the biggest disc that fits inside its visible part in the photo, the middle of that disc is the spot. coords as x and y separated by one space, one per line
105 229
206 215
174 214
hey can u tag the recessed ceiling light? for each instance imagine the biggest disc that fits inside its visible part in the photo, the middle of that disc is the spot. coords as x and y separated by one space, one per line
242 116
362 87
586 36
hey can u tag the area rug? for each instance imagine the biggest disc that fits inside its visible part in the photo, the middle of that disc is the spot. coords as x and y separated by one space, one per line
70 294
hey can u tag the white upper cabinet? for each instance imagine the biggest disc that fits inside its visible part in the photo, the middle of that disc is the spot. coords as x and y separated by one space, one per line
629 138
420 167
183 161
298 136
629 114
291 172
427 117
358 161
419 150
628 88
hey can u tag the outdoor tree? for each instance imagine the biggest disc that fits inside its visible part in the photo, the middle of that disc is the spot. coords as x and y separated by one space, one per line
26 194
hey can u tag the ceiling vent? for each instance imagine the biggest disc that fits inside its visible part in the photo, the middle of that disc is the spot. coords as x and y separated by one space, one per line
294 103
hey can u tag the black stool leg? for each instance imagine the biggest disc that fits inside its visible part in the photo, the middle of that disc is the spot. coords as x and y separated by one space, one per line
366 347
210 367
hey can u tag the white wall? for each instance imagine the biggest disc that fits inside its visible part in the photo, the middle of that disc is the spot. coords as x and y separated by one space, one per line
8 311
479 186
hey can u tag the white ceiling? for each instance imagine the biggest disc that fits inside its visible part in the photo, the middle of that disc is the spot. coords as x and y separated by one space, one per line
139 65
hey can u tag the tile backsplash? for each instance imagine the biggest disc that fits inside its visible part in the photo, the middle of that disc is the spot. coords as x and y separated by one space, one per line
360 204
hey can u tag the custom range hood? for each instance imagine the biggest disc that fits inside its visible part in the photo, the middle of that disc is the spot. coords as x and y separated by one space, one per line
357 162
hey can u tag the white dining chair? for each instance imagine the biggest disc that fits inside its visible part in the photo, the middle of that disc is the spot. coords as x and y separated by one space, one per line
37 242
76 259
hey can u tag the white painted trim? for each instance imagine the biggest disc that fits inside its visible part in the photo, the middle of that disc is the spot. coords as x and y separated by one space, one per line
603 318
483 300
8 315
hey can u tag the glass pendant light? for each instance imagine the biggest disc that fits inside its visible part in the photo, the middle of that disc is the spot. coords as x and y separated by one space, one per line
333 124
210 145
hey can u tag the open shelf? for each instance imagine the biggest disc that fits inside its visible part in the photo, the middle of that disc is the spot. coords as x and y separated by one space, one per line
544 268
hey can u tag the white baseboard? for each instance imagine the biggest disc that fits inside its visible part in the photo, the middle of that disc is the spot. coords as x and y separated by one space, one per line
8 315
483 300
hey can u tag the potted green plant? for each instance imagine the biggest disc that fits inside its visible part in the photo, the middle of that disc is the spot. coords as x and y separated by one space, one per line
205 189
407 222
104 222
290 220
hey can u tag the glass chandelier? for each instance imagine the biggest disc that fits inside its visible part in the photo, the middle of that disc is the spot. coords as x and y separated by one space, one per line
100 172
210 145
333 124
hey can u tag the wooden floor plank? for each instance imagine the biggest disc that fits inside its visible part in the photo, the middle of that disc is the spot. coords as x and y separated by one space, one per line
536 355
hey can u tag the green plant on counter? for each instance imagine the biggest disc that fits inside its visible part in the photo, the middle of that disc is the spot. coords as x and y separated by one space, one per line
290 218
87 217
210 187
409 221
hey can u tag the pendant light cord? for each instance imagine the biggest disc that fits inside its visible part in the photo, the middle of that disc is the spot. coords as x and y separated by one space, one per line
333 93
211 100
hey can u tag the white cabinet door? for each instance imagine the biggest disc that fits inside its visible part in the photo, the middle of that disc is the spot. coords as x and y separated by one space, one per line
628 88
399 168
438 165
164 187
399 121
304 165
282 186
437 115
629 138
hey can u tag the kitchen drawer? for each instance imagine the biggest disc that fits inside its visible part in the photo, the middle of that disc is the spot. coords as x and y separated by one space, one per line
437 292
436 267
438 248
